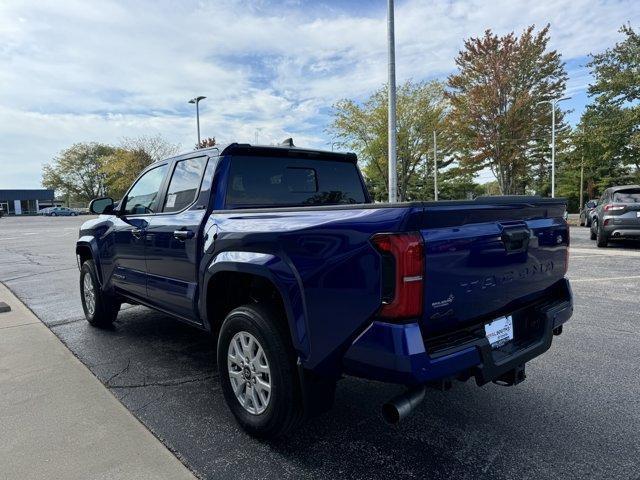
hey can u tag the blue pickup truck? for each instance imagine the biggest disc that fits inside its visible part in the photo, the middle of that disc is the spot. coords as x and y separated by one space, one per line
280 254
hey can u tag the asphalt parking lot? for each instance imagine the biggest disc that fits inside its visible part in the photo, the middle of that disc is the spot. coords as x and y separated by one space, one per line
576 416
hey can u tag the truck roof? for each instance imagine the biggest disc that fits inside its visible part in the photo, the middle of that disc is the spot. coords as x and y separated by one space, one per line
272 151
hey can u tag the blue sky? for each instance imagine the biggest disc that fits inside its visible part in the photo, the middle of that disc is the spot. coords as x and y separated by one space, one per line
74 71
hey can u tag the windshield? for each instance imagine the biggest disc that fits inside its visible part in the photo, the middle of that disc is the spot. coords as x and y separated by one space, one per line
627 196
266 181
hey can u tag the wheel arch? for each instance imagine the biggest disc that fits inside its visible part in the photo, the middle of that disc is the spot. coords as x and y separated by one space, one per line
86 249
235 278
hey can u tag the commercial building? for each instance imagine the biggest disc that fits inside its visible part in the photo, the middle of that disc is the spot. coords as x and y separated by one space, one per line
25 202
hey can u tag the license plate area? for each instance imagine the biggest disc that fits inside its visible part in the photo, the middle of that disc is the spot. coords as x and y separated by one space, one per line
499 332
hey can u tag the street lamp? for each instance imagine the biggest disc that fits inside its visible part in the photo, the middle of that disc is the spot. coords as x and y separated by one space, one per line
196 101
553 102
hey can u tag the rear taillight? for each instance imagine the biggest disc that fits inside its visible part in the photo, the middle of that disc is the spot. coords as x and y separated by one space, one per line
402 273
612 207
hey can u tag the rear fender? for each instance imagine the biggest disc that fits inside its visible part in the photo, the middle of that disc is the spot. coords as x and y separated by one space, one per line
279 273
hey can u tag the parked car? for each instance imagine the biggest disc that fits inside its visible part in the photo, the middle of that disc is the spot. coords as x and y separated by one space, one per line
587 212
617 216
61 212
281 255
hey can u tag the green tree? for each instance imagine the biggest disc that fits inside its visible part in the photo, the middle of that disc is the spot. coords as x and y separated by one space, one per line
607 139
496 112
76 172
421 109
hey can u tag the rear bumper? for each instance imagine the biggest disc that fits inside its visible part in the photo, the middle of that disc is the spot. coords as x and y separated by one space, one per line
397 354
622 231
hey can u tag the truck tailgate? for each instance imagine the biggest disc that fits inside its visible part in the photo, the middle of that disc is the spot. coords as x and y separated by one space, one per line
485 260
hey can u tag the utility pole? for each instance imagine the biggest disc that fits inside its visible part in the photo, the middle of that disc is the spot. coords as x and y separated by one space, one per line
393 176
581 182
553 149
435 167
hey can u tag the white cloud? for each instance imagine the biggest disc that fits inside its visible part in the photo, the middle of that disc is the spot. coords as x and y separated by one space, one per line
78 71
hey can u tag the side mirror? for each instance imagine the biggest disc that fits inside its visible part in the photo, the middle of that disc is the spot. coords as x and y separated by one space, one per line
101 206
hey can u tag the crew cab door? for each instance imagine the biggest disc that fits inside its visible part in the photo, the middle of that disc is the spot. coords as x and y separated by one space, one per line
174 237
129 231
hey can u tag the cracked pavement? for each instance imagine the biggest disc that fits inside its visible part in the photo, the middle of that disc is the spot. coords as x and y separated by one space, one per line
576 416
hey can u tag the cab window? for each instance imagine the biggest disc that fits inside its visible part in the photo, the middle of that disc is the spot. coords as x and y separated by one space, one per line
142 197
184 184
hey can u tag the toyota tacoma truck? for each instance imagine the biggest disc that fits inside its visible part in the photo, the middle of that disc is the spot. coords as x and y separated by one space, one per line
280 254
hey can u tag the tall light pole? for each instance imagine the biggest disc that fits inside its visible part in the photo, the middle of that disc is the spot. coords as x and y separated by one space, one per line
435 167
197 101
393 177
553 102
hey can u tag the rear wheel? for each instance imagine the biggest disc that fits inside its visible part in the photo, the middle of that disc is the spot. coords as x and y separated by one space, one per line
258 372
594 225
100 309
602 240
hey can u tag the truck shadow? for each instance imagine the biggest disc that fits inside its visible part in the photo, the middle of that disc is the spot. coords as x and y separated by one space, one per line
164 372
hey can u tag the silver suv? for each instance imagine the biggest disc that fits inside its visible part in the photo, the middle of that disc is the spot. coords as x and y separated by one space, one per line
617 215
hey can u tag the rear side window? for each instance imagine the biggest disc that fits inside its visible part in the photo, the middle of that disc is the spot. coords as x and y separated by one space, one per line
627 196
184 184
266 181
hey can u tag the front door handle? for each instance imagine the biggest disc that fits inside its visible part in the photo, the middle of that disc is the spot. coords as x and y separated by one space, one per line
183 234
137 233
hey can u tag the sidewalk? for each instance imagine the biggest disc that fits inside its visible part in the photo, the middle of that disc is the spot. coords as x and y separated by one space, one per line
58 421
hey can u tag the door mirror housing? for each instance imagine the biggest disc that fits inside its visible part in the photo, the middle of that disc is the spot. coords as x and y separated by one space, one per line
102 206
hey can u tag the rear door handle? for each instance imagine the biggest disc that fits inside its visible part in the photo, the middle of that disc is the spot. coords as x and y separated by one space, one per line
183 234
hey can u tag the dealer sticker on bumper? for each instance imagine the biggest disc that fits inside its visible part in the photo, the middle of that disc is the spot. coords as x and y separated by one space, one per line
500 331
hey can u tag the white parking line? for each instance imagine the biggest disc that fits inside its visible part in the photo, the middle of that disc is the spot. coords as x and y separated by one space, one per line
605 279
605 251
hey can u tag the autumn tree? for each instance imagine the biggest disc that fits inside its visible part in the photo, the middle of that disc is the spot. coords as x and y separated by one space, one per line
362 127
496 110
206 143
77 171
122 167
134 154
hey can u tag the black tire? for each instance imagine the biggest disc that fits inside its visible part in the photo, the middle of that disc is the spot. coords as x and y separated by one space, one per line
587 223
283 411
592 233
53 215
602 240
105 308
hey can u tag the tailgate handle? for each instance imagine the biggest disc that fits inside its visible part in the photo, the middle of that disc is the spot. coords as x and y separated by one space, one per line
516 240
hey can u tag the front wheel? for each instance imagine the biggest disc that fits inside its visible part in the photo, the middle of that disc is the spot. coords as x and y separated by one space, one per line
100 309
258 372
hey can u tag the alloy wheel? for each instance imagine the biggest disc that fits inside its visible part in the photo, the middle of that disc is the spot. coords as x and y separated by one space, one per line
249 372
